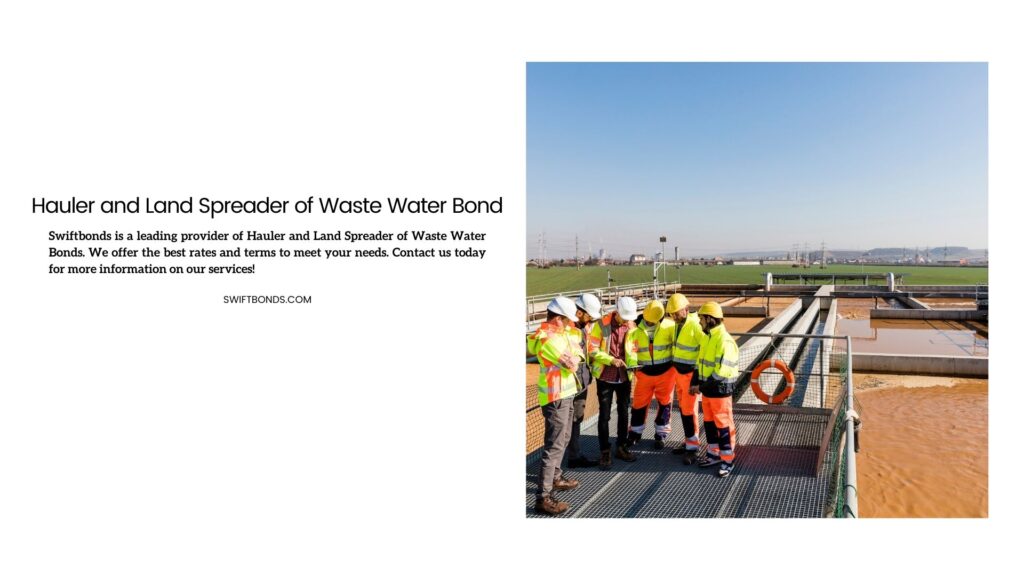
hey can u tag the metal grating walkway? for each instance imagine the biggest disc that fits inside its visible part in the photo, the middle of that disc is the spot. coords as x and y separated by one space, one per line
774 475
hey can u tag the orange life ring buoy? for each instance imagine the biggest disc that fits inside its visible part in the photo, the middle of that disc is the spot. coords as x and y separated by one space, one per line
755 384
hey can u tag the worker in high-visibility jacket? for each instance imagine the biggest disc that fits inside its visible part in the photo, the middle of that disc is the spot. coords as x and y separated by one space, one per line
558 351
684 360
588 311
612 356
717 373
653 339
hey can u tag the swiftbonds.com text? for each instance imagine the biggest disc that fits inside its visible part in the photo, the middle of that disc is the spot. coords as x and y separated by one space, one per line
246 299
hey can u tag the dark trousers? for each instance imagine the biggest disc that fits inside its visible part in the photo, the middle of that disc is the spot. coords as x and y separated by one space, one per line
579 404
605 392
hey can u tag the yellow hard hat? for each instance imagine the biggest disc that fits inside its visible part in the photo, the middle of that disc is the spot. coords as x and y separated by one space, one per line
676 302
710 309
654 312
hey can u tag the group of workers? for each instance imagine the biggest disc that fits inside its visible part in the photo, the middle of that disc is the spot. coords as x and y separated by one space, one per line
669 350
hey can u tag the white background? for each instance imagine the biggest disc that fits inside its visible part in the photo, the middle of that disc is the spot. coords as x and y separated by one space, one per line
148 428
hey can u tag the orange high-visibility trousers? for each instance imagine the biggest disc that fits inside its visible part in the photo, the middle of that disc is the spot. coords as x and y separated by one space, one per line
648 387
688 406
719 427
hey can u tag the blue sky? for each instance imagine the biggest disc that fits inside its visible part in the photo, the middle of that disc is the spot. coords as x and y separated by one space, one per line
724 157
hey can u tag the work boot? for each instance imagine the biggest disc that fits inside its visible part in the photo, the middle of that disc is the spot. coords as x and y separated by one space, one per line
582 462
606 459
689 457
659 442
549 505
622 453
709 460
680 450
631 439
564 483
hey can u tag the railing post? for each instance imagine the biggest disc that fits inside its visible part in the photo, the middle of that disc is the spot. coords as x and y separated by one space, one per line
851 453
821 367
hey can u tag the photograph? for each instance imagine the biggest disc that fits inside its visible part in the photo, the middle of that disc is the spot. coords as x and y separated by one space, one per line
757 290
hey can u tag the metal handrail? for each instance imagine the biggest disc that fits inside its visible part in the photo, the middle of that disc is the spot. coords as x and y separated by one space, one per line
789 335
850 509
616 288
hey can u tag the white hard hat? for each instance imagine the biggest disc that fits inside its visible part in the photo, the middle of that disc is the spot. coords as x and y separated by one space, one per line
589 304
563 307
626 307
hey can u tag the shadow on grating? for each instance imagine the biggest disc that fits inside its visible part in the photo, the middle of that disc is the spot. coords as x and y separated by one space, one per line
773 476
760 425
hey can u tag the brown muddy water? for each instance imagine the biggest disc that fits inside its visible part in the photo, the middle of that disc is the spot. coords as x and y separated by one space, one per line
775 304
853 308
933 337
923 446
937 337
738 324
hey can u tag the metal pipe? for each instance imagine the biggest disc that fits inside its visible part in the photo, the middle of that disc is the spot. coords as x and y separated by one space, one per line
823 371
851 454
790 335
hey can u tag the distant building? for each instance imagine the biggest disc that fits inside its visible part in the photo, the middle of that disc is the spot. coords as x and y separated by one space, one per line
637 259
746 262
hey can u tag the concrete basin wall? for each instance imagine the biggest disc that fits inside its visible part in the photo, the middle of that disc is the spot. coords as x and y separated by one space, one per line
928 314
961 366
814 364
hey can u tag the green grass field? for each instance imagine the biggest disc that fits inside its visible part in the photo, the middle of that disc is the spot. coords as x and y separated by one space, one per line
569 279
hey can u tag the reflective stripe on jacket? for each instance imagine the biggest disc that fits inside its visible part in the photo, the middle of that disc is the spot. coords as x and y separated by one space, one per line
556 380
718 363
687 344
657 350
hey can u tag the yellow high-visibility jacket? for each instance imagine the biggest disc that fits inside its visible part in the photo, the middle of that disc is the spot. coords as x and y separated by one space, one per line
556 380
687 345
656 351
718 363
